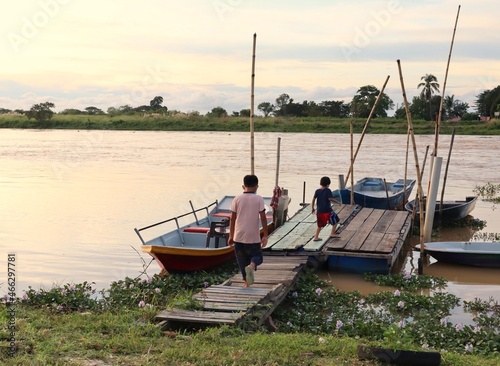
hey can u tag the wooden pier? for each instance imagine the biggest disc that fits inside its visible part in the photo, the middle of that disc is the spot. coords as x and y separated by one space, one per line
366 240
231 303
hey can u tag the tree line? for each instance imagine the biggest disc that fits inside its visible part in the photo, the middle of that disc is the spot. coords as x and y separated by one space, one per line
424 106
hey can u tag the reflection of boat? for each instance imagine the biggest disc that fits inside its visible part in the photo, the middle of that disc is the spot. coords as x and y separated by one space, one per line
450 210
480 254
199 245
463 275
377 193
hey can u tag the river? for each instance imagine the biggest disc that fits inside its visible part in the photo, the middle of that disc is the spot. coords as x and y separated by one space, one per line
71 199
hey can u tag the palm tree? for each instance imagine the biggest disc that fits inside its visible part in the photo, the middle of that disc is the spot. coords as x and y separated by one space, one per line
449 105
429 85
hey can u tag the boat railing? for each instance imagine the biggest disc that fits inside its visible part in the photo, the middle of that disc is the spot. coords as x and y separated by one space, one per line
193 212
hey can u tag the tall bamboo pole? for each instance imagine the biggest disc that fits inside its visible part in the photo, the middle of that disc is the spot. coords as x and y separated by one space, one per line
438 122
419 176
352 162
252 148
366 126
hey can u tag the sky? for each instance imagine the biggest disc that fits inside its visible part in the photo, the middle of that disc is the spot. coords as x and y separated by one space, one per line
197 54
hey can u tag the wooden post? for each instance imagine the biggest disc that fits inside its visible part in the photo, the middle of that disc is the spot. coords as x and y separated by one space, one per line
438 122
367 123
252 149
419 176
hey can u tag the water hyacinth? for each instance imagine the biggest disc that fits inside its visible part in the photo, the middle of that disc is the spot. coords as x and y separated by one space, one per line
469 347
141 304
397 293
401 304
459 327
318 291
295 295
339 324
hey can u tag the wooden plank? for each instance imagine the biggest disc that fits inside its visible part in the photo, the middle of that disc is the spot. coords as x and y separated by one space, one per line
385 221
358 239
398 222
295 238
281 232
388 243
359 219
372 242
341 242
199 316
303 215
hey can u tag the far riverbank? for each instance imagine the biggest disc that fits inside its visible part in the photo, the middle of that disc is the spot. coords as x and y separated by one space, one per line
241 124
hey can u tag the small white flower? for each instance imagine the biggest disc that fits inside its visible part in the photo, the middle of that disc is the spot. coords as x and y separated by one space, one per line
477 329
60 307
401 304
72 288
142 304
469 347
295 295
444 321
157 290
25 296
319 291
339 324
63 292
401 324
321 340
131 285
407 275
459 327
397 293
289 324
425 346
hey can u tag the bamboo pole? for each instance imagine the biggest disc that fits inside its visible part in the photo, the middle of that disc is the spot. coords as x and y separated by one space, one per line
352 162
446 172
438 122
366 124
406 168
252 148
416 195
419 176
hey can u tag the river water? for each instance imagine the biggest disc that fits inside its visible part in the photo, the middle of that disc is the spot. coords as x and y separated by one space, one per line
71 199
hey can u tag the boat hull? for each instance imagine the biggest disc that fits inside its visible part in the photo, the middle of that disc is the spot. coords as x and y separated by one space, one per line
451 210
376 193
478 254
180 260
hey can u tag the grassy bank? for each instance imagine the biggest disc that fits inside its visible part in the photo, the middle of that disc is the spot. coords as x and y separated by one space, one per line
317 325
269 124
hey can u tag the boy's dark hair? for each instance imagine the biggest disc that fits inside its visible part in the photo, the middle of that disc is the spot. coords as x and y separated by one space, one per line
325 181
250 180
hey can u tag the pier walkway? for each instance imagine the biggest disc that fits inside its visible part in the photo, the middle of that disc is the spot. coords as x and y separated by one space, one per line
231 303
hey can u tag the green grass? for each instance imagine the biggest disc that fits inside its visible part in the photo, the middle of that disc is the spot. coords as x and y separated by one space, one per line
268 124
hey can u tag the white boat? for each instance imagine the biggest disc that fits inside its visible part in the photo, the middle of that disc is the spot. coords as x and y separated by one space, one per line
479 254
199 245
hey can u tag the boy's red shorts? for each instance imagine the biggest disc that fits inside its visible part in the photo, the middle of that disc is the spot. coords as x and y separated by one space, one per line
322 218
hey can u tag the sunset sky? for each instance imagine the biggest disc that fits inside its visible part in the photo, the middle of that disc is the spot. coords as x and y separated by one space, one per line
197 54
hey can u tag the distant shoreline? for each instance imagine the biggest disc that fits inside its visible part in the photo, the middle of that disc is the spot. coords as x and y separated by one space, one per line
241 124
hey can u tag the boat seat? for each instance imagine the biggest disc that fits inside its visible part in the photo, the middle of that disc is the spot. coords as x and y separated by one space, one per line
195 229
372 184
224 215
398 185
218 230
